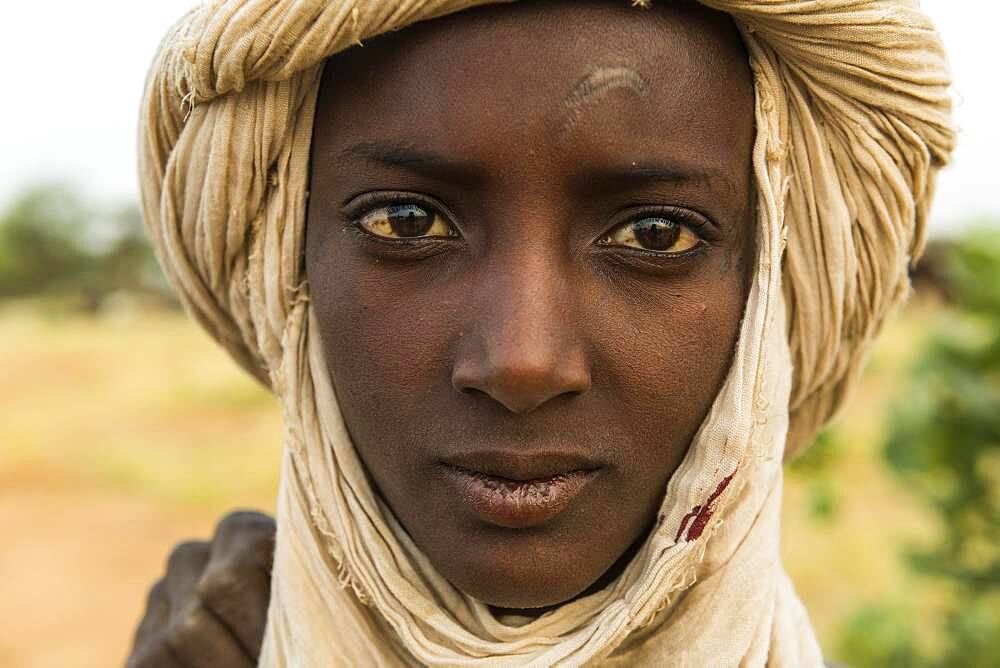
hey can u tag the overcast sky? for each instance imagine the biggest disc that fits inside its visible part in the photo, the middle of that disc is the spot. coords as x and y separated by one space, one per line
74 71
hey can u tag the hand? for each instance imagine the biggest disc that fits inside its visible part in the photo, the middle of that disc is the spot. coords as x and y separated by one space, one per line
211 606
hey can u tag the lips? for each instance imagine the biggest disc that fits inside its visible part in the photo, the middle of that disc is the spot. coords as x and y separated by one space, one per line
518 491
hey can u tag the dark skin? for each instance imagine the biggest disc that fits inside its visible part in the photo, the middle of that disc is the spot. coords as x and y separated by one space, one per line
211 606
532 262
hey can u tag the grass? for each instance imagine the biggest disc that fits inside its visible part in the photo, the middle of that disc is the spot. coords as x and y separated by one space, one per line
124 433
145 405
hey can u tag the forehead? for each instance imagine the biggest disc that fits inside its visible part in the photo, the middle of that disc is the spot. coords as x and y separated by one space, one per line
584 79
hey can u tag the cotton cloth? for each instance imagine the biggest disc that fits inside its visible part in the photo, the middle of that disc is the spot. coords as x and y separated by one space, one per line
853 122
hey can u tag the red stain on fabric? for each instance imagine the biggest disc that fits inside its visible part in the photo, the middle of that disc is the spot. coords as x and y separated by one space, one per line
684 522
699 515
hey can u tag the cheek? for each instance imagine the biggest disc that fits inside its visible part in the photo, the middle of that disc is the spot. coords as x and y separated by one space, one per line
388 342
664 357
694 354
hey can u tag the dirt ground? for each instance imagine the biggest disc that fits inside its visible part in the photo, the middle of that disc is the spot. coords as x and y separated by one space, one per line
119 437
75 566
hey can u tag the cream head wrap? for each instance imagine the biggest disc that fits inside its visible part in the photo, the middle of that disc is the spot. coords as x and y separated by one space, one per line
853 122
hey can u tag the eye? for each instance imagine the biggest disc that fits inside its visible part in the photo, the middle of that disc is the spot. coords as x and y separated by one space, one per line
653 233
405 221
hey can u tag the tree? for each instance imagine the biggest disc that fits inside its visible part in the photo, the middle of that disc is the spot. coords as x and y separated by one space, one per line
54 243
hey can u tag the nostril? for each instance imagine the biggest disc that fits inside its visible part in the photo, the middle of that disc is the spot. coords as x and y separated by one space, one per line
522 393
473 392
522 377
464 381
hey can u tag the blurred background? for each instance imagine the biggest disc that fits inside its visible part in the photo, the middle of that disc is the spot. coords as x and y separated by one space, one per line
124 430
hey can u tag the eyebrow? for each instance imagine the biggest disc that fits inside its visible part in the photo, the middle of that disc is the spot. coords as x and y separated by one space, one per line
405 156
665 172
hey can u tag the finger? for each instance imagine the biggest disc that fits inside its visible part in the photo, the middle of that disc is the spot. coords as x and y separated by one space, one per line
199 640
236 584
154 654
249 533
238 595
155 618
184 568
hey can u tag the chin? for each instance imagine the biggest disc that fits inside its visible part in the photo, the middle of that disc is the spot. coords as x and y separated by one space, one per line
512 578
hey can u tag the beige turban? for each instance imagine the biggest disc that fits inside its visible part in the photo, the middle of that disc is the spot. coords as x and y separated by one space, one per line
853 122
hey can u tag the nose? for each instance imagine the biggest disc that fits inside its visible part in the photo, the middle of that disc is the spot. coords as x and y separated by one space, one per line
522 348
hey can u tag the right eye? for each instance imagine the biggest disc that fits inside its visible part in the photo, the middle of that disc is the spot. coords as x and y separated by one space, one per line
406 221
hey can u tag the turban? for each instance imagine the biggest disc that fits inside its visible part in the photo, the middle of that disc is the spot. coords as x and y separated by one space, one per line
852 123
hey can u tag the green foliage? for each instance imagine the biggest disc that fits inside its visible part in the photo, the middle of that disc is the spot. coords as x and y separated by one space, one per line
945 445
816 464
55 244
39 248
879 636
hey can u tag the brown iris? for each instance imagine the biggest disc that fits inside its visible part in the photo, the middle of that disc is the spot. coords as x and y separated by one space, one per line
653 233
405 221
656 233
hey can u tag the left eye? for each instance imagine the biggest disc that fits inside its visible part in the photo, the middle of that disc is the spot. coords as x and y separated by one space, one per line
657 234
405 221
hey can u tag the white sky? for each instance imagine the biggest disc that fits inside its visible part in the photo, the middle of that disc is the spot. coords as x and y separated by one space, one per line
74 71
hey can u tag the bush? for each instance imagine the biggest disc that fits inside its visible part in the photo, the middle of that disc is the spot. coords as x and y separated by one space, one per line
54 243
945 444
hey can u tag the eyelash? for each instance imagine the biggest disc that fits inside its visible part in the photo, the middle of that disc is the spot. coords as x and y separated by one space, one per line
356 208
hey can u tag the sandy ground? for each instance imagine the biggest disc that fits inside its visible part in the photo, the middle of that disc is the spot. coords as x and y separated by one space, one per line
75 566
119 437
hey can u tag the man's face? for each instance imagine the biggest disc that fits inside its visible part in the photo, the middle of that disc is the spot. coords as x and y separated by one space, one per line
528 234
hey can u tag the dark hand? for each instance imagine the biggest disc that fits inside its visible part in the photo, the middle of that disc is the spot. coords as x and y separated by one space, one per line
211 606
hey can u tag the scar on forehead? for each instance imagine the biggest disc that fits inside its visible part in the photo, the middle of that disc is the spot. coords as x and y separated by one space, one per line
592 88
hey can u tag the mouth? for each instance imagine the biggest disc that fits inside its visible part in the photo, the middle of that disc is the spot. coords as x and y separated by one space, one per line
518 492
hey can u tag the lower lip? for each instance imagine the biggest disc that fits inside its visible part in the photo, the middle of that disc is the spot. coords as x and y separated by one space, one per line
518 504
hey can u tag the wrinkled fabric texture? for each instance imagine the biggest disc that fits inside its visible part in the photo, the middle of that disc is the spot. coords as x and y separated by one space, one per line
853 122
